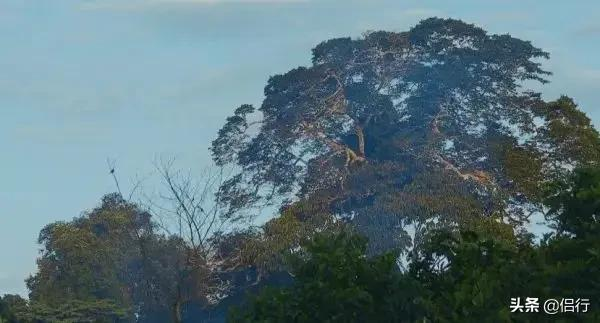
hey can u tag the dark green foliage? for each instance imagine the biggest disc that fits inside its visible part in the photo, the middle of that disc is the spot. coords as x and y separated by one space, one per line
107 263
335 282
573 253
571 131
10 307
112 263
575 204
468 275
469 278
91 259
97 311
14 309
462 277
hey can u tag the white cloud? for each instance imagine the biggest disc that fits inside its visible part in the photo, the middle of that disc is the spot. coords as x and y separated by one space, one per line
589 30
421 12
511 16
592 75
223 1
144 4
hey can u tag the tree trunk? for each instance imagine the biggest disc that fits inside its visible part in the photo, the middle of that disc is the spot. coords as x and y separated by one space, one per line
360 136
177 312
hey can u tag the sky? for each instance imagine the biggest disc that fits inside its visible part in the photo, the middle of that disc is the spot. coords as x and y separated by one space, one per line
130 80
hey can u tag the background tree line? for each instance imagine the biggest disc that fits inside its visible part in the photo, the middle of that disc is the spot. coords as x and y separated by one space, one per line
468 275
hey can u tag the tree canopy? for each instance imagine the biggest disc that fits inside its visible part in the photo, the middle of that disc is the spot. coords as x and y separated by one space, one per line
426 127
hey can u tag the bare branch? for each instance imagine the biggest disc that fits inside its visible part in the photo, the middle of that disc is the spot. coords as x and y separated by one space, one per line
111 169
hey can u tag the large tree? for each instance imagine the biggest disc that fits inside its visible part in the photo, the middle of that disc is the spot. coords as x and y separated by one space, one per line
428 127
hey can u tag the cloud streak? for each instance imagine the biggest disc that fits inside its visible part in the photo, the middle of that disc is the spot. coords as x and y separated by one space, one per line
590 30
145 4
421 12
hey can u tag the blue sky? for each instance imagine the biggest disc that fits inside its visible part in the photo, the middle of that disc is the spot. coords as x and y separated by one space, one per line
81 81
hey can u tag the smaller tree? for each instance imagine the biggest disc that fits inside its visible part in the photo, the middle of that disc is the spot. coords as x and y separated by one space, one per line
10 307
575 203
92 263
96 311
188 212
572 254
471 277
336 282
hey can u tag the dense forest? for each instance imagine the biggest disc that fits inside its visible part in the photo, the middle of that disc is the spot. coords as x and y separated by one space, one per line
406 169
